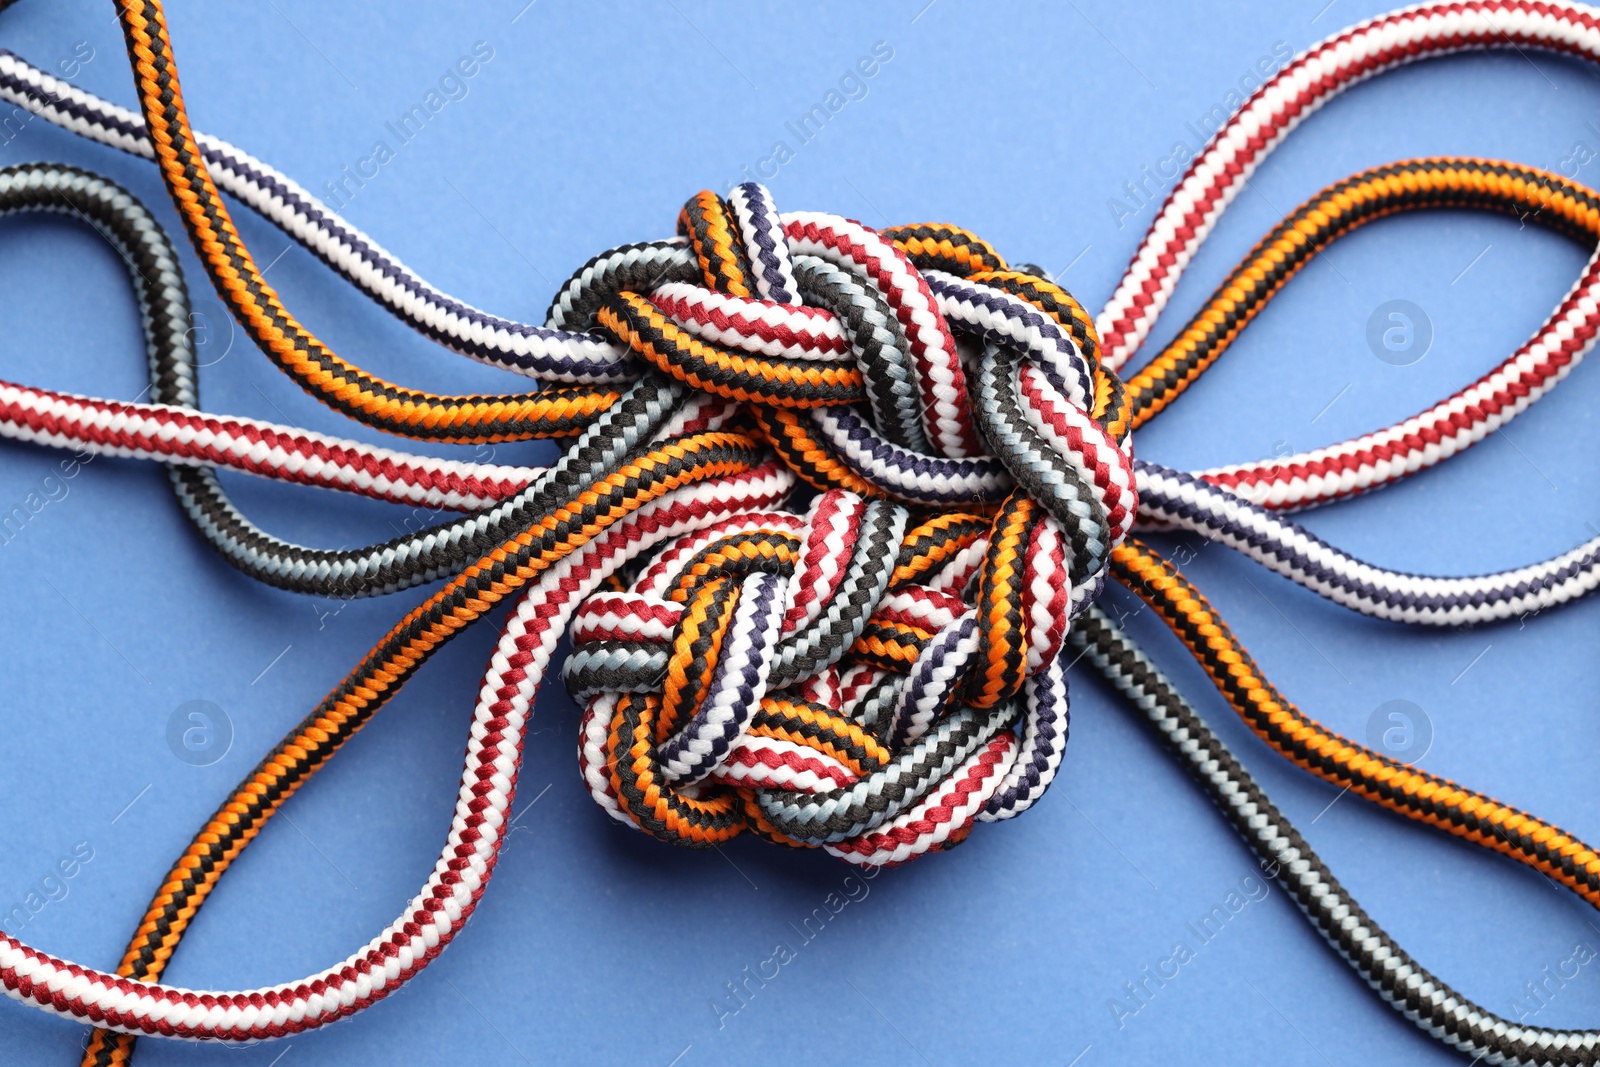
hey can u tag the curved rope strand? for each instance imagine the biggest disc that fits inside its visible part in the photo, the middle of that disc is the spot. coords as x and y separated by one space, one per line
1382 964
1416 794
255 304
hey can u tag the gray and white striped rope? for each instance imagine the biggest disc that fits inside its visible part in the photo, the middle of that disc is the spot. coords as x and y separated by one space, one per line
547 354
652 409
1388 969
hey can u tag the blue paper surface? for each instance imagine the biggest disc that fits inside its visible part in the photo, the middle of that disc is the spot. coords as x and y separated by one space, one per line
588 128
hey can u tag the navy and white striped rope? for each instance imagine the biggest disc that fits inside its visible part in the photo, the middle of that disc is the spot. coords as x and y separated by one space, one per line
1174 498
534 351
652 410
1141 294
764 243
742 676
944 765
570 355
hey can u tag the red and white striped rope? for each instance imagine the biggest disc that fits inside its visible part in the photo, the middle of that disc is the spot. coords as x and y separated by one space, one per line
488 786
1235 151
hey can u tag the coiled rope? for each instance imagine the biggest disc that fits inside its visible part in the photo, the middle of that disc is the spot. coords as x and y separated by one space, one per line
848 677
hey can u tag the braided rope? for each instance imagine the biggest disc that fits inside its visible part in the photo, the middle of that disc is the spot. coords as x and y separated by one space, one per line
1388 969
1415 794
488 788
873 676
868 804
240 285
1196 202
501 498
899 752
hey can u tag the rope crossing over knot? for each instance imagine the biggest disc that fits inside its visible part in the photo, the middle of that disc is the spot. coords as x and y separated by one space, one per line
874 676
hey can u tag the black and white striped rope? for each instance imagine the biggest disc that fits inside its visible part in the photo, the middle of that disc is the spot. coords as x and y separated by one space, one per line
1388 969
923 762
548 354
1186 219
849 811
639 267
910 472
652 410
1167 497
879 344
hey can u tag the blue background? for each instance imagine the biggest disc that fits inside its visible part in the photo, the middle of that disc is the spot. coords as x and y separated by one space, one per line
588 129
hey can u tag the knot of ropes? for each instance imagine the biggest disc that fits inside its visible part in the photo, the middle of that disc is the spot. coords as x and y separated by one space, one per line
833 514
853 677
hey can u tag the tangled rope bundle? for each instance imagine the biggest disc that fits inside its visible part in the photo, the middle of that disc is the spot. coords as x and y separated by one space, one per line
872 672
851 678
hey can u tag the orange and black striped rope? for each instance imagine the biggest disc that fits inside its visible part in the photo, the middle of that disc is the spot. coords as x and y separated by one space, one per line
1528 193
255 304
1414 793
380 675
